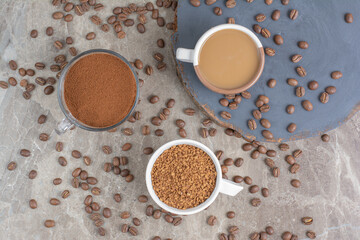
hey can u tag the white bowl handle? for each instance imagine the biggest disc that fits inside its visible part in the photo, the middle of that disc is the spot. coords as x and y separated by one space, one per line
229 187
185 55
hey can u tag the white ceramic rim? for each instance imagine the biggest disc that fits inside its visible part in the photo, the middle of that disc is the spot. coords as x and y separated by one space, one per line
213 30
188 211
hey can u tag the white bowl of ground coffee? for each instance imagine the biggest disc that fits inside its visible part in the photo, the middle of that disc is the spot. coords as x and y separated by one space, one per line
184 177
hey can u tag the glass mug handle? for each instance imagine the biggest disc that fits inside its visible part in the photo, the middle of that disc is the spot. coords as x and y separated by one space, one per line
63 126
229 187
185 55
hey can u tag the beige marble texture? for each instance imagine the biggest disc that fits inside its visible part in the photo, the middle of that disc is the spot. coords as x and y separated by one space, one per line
330 172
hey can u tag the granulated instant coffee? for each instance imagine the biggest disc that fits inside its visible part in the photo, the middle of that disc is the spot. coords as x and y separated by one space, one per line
183 176
100 90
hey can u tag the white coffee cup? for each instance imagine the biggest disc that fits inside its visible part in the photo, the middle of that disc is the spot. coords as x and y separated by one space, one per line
222 185
192 56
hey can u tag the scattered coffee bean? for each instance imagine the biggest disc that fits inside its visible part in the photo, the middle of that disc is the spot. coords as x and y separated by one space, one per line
307 105
349 18
311 234
195 3
269 162
330 90
149 210
212 220
255 202
265 192
293 14
303 44
284 147
148 151
260 17
54 201
252 124
225 115
294 168
11 166
271 83
336 75
218 11
267 134
248 180
265 123
49 223
57 181
291 128
124 228
265 33
275 15
254 189
301 71
257 28
276 172
295 183
285 2
296 58
278 39
324 97
313 85
182 133
325 138
270 51
292 82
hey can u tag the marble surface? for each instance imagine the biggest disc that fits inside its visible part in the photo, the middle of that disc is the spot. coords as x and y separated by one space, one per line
330 172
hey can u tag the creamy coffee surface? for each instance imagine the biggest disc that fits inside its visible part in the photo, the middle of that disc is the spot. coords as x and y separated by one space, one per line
229 59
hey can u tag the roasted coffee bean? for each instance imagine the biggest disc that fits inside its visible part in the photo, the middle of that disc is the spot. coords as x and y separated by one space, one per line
39 66
57 181
223 236
257 28
83 175
254 189
62 161
106 212
212 220
96 191
43 137
182 133
138 64
25 153
145 130
349 18
311 234
13 65
133 231
229 132
230 214
32 174
271 83
149 210
260 17
26 95
149 70
271 153
303 44
324 97
22 72
252 124
65 194
238 179
224 102
233 230
247 147
255 154
124 228
99 222
195 3
169 218
129 178
212 132
290 109
148 151
91 180
224 169
265 33
136 221
33 203
276 172
336 75
101 231
290 159
160 21
228 162
268 2
313 85
68 7
285 2
269 162
278 39
204 132
106 149
210 2
88 200
294 168
98 7
230 3
54 201
75 183
255 202
76 172
246 94
40 81
325 138
265 123
295 183
87 160
231 20
293 14
233 105
248 180
307 105
58 45
265 192
258 104
225 115
284 147
330 90
292 82
57 15
126 147
217 11
68 18
301 71
49 90
296 58
275 15
291 128
269 230
49 223
255 236
11 166
76 154
90 36
97 20
189 111
262 149
55 68
34 33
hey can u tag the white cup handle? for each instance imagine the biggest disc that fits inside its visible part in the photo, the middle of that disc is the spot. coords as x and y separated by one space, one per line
229 187
185 55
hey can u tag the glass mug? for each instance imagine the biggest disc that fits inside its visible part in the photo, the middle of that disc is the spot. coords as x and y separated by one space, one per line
69 121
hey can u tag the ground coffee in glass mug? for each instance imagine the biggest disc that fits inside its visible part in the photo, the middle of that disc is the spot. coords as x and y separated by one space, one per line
100 90
229 59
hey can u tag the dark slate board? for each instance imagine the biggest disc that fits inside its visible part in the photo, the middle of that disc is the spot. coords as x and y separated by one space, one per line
333 46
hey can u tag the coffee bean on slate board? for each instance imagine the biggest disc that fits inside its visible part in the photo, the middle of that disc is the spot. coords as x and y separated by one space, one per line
225 115
301 71
293 14
291 128
218 11
292 82
275 15
252 124
307 105
330 90
195 3
268 2
303 44
336 75
224 102
349 18
270 51
290 109
257 114
324 97
285 2
260 17
313 85
284 147
257 28
246 94
265 33
230 3
231 20
265 123
271 83
278 39
296 58
295 183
